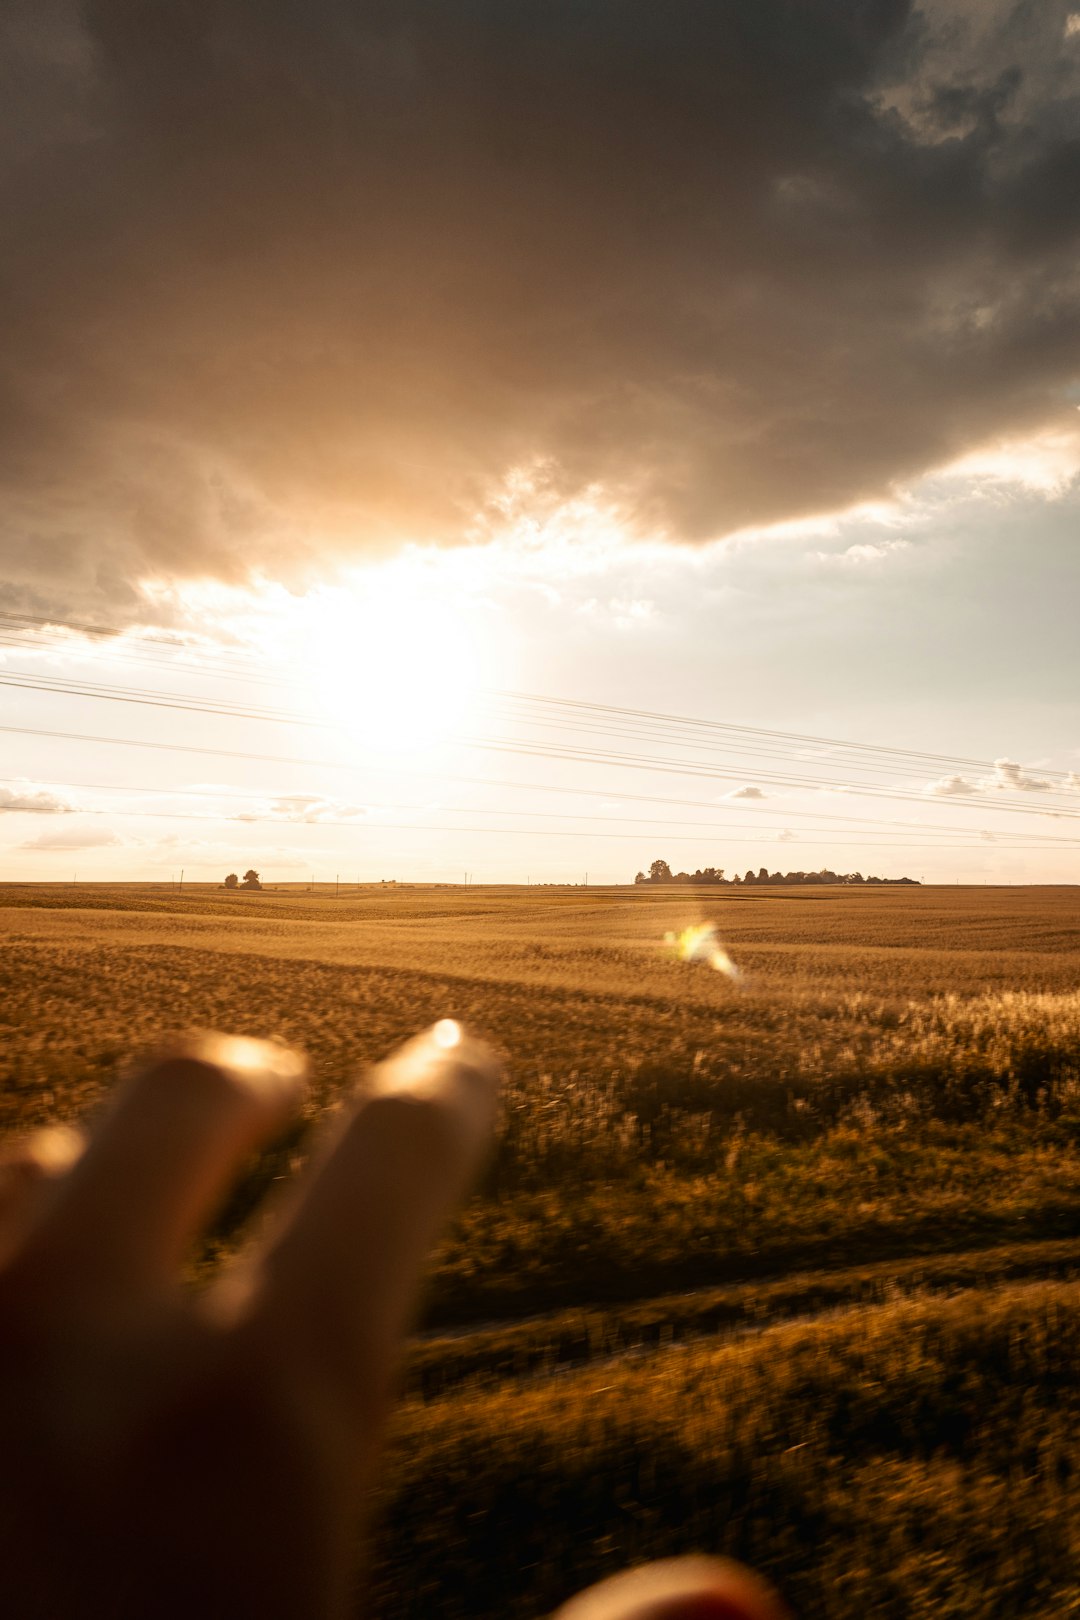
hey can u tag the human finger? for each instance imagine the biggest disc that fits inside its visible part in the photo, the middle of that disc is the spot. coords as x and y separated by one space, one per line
28 1172
158 1163
338 1280
678 1589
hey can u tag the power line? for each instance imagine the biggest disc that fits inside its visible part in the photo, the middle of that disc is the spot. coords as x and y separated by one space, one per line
786 815
853 769
803 756
634 724
581 706
36 624
148 697
759 731
522 832
610 758
567 752
233 754
657 821
205 668
660 728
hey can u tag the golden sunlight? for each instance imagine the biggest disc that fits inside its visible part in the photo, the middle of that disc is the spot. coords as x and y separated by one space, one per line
397 672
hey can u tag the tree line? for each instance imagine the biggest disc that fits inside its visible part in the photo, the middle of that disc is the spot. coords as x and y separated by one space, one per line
660 872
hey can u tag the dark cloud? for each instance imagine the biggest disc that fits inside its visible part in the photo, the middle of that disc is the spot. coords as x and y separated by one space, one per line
285 279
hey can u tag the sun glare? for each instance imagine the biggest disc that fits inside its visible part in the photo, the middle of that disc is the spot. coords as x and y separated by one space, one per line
396 672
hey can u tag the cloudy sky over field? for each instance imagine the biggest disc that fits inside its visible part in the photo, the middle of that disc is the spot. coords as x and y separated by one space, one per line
711 360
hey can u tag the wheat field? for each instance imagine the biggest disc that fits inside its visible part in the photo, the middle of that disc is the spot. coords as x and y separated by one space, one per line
783 1267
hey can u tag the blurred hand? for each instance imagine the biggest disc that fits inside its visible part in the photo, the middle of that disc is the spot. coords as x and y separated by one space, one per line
169 1454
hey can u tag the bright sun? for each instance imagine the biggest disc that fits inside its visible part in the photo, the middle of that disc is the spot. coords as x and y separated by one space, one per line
395 671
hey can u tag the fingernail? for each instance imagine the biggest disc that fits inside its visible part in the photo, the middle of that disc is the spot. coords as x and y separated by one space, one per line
446 1065
446 1033
51 1152
274 1072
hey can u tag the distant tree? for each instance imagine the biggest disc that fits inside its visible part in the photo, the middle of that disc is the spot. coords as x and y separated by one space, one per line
641 878
232 881
749 878
763 874
659 872
251 879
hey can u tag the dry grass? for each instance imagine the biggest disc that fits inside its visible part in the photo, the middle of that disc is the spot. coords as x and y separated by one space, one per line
911 1461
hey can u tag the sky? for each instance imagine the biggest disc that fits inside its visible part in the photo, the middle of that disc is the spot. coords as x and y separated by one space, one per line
361 367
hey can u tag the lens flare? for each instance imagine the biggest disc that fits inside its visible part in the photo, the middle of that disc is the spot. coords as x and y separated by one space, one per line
447 1033
702 944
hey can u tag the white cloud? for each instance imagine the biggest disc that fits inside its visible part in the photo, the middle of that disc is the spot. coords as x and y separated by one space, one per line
1008 776
73 838
868 551
304 807
1072 24
747 793
32 801
951 787
627 615
1046 462
786 837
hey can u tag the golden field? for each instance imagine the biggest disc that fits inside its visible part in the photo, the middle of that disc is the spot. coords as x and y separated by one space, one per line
782 1267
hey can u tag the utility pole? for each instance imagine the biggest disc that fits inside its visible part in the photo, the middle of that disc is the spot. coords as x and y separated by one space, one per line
181 880
337 885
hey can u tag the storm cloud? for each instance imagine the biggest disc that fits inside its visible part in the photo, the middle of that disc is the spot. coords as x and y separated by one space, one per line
284 281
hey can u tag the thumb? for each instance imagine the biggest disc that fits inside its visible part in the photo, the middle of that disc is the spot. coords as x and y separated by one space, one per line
678 1589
